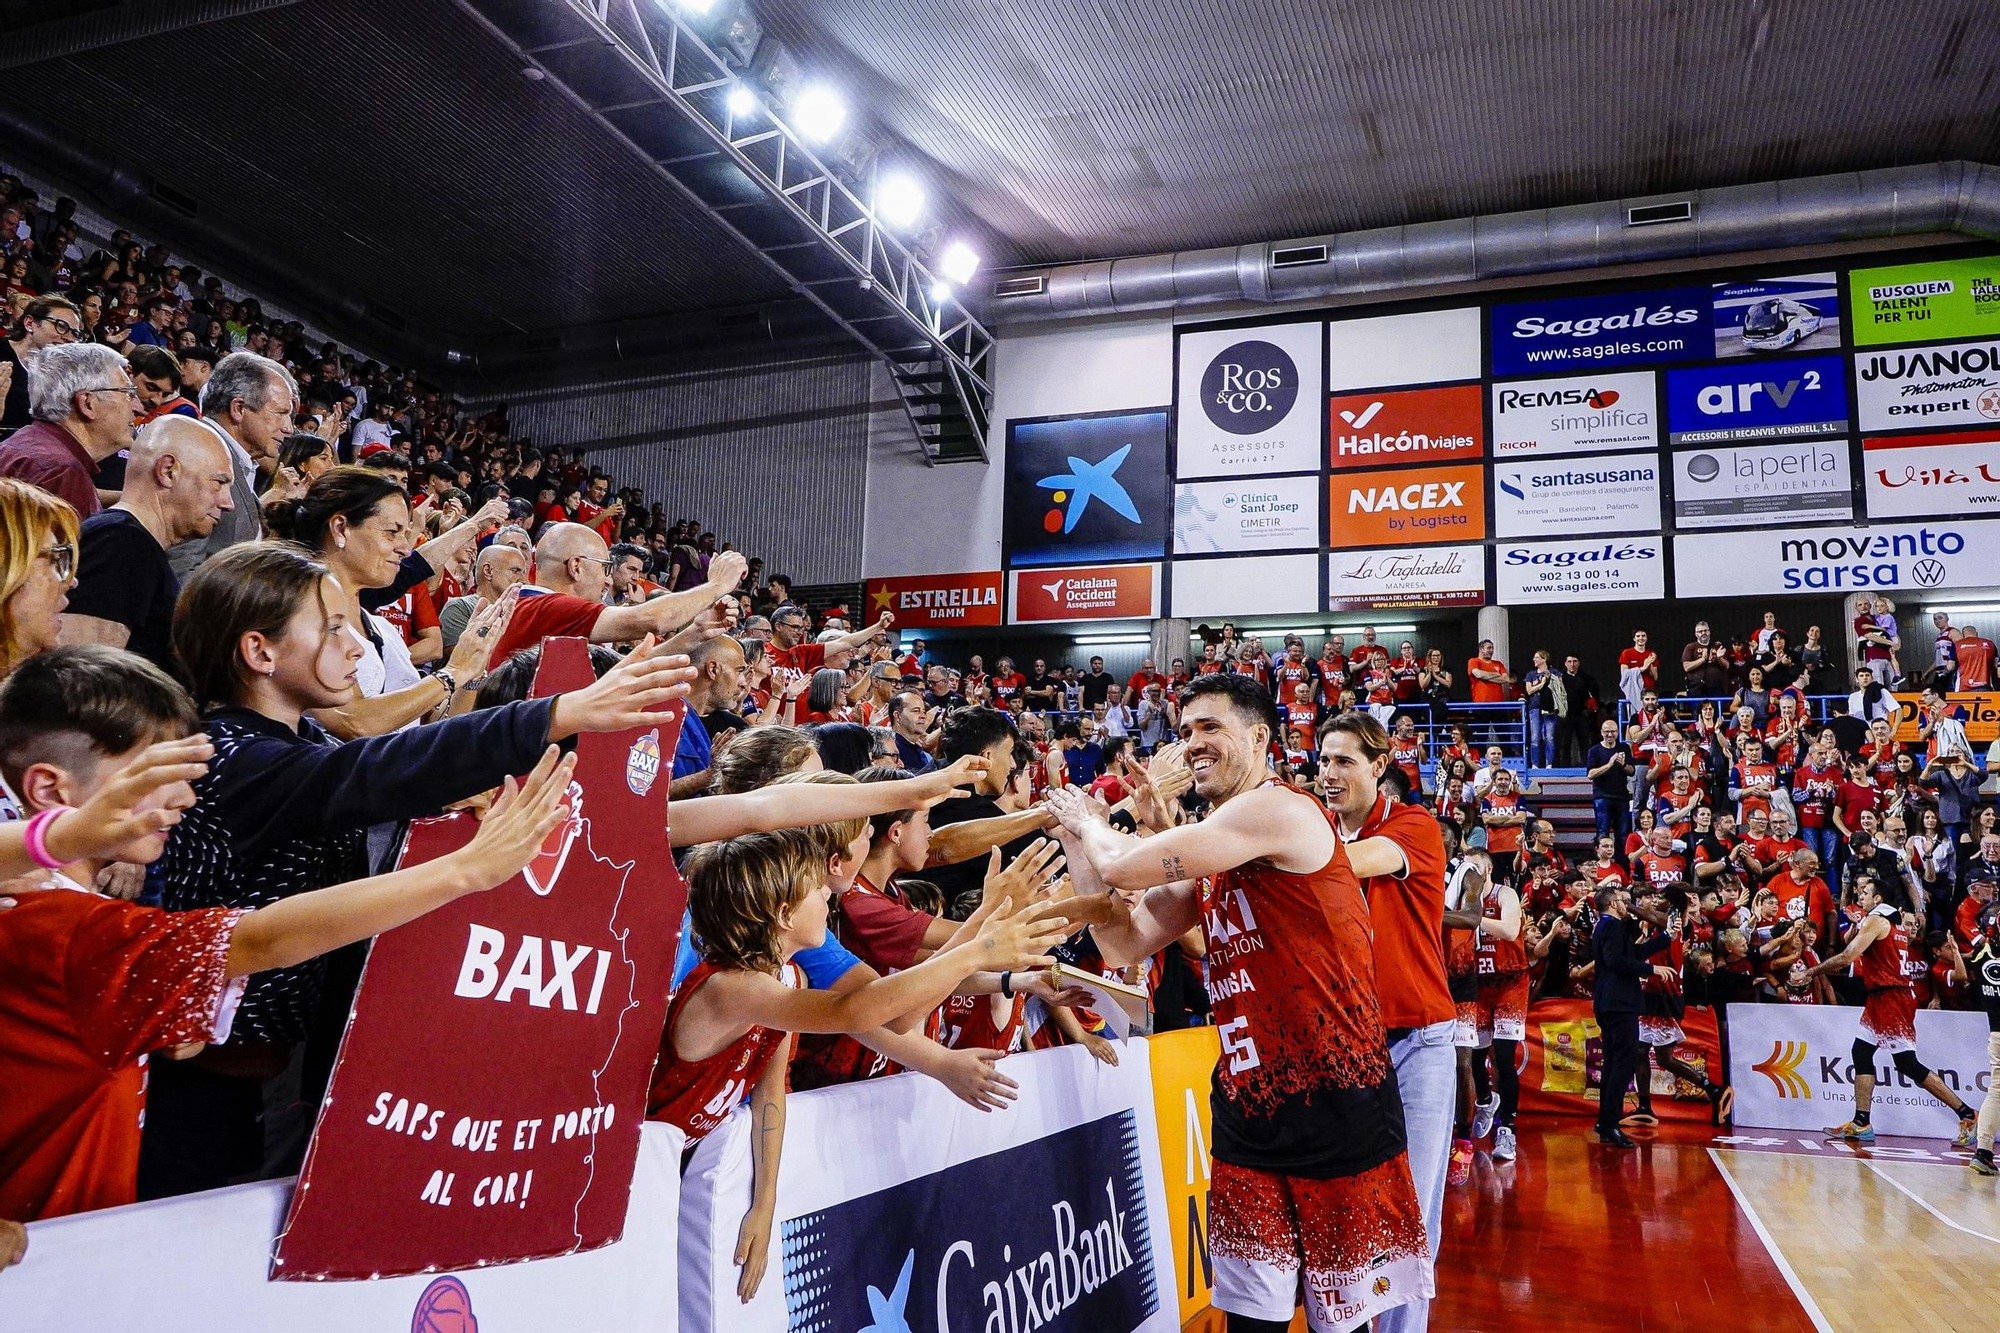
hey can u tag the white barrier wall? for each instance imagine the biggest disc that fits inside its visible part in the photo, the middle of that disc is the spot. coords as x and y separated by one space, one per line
1792 1067
900 1207
199 1263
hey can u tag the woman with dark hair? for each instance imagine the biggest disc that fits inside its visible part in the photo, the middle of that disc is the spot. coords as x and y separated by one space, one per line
215 336
262 636
844 747
826 699
45 322
357 521
306 454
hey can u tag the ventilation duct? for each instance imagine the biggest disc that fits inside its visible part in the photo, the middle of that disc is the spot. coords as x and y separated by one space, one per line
1962 197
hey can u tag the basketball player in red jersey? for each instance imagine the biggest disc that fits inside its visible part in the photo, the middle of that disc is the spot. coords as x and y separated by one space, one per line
1311 1194
1877 951
1407 909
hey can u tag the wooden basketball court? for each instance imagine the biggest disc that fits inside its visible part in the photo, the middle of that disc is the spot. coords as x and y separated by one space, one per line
1755 1231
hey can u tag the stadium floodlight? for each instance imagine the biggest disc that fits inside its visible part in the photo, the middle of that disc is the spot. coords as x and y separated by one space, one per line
899 200
690 6
958 262
818 112
742 102
941 292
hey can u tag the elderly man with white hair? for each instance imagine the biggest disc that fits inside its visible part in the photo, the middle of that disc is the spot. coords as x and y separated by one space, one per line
83 402
248 404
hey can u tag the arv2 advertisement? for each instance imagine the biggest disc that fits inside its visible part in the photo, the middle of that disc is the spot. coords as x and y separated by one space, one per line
1615 329
1087 489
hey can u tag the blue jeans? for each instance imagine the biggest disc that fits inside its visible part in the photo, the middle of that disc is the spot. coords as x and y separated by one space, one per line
1542 740
1427 1076
1614 819
1825 842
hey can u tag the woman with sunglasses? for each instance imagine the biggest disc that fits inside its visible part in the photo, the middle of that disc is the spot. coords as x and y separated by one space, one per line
37 570
50 320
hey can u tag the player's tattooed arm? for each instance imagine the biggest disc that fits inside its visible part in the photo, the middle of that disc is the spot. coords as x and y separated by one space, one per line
1172 865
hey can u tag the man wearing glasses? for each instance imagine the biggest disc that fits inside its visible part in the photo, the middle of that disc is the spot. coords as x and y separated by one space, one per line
792 657
46 323
83 404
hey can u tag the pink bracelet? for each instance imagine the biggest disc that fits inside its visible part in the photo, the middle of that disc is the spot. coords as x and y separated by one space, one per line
34 838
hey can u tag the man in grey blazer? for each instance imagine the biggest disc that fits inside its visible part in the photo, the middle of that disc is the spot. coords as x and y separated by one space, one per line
248 402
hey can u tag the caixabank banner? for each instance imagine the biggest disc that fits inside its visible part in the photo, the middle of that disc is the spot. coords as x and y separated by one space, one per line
1882 557
1249 401
1614 329
1954 385
1906 303
1087 488
1757 401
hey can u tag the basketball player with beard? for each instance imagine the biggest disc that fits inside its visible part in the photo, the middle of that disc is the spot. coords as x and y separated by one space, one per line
1311 1197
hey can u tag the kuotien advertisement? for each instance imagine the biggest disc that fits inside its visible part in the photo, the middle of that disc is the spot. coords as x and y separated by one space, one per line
1615 329
1763 485
1088 488
1578 415
1956 385
1246 514
1792 1066
1883 557
1759 315
1906 303
1429 347
1912 475
1626 569
439 1146
200 1262
1433 504
1406 576
937 601
1414 426
1084 592
1263 585
941 1219
1757 401
1613 493
1249 401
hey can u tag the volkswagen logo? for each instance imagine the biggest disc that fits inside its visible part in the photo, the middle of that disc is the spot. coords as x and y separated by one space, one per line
1928 573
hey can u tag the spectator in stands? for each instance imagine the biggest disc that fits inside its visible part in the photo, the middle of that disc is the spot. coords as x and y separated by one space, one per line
494 571
248 403
1609 764
1542 716
37 561
1957 784
1487 674
1972 657
155 325
50 321
83 403
1875 638
177 487
1705 665
1638 668
156 374
1578 728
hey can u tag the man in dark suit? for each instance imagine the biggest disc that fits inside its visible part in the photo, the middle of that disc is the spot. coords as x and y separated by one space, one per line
1615 995
1577 731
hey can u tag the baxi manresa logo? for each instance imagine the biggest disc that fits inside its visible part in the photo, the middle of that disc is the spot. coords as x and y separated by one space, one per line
1249 387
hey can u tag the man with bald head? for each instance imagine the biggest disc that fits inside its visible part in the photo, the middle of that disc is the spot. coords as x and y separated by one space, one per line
177 488
494 571
566 599
718 687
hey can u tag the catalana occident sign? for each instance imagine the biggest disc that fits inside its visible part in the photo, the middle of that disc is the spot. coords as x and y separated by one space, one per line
1534 573
937 601
1883 557
1086 592
1406 576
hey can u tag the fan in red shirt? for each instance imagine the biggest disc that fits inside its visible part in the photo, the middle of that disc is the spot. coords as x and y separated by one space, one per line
1007 683
415 617
1209 664
1311 1191
1658 864
567 597
1136 683
598 512
1606 868
1803 895
1406 751
1975 660
1641 658
91 986
1773 851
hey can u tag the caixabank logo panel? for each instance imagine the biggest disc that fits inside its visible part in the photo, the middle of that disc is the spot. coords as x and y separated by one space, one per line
1087 489
1050 1235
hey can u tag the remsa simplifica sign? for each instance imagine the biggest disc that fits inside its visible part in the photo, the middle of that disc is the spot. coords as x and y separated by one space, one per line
1954 385
1627 569
1619 329
1883 557
1249 401
1577 415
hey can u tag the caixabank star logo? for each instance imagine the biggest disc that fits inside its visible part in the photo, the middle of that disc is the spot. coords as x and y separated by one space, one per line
1086 489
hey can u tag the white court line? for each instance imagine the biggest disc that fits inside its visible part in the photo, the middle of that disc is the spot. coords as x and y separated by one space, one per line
1771 1247
1924 1204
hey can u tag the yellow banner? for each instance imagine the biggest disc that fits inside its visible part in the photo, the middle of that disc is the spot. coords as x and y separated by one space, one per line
1182 1065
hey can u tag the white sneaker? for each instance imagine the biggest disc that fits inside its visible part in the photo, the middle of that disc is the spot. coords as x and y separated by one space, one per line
1482 1117
1503 1144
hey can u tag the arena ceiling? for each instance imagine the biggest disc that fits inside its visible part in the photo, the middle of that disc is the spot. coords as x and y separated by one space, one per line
394 157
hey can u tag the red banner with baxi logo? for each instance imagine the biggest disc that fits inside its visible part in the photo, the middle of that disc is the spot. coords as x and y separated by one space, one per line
487 1101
